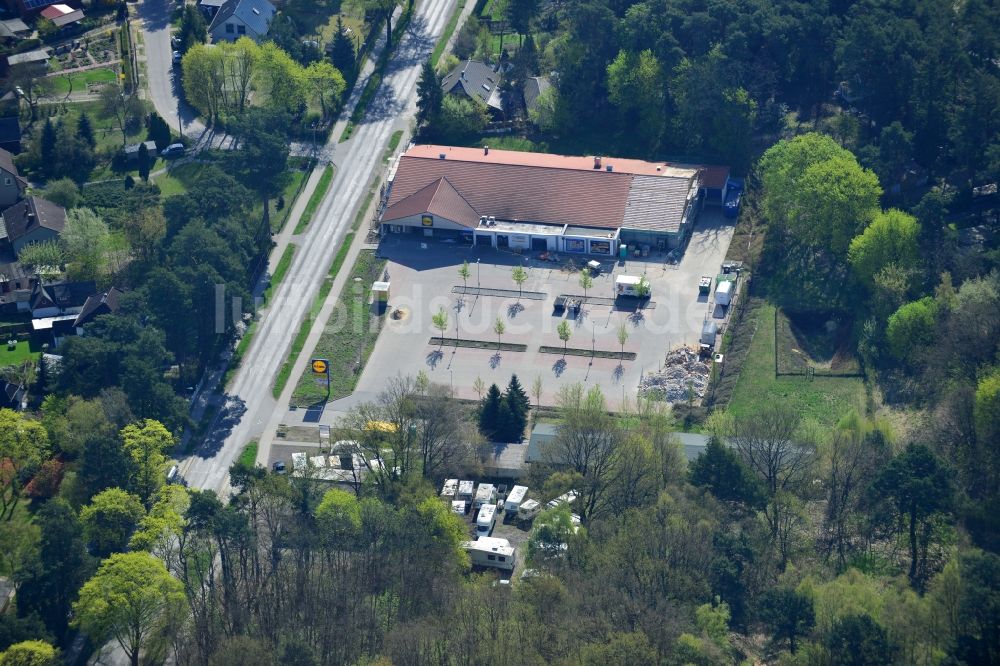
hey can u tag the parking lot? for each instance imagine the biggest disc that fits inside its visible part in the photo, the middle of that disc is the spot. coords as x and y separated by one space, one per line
423 273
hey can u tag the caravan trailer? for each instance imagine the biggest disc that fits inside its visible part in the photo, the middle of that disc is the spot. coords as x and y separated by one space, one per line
486 520
514 499
528 509
486 493
491 552
465 490
450 489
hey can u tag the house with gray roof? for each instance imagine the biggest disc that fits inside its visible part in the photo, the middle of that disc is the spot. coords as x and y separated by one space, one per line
32 220
475 80
534 86
242 18
11 184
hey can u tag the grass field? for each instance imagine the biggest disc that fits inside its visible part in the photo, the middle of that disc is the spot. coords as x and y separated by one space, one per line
821 399
21 352
290 194
279 271
349 338
317 196
179 178
248 456
78 81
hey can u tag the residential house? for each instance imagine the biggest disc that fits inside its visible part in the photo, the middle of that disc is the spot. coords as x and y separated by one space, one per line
132 150
475 80
12 30
15 293
10 133
534 86
242 18
38 60
11 184
56 307
99 304
63 16
32 220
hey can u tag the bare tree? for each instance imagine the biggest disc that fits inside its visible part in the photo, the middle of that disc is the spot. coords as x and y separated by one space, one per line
31 85
441 437
764 441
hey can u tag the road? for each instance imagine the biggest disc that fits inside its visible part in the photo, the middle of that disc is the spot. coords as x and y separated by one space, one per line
249 403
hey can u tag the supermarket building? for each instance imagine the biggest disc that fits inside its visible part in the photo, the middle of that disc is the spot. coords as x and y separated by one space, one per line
544 202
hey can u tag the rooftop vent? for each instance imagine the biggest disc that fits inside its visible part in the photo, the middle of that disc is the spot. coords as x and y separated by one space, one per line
609 168
256 11
493 221
657 168
483 220
597 162
486 150
441 156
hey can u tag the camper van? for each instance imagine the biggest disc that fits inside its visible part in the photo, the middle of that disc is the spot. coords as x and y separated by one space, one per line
566 498
486 520
514 499
465 490
491 552
449 489
528 509
486 493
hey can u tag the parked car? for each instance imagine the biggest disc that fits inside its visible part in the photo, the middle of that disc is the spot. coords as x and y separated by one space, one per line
177 57
175 42
173 150
279 466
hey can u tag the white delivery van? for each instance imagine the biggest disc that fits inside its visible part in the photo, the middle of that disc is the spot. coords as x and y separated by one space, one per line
514 499
528 509
486 520
491 552
465 490
627 285
449 489
486 493
724 293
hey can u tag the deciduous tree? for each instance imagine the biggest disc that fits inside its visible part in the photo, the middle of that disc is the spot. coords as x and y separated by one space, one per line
24 444
109 520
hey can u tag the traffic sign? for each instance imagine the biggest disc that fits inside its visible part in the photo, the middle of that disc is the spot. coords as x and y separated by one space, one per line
320 366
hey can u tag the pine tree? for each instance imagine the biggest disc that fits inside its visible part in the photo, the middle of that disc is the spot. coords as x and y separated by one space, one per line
84 130
429 95
143 162
489 412
507 424
47 144
342 51
514 411
158 132
517 396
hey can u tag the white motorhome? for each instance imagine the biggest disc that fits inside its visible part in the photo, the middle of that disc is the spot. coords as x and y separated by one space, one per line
465 490
566 498
491 552
449 489
528 509
514 499
486 493
486 520
458 507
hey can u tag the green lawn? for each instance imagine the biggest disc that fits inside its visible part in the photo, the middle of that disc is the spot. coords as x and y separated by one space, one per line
279 271
290 194
248 456
448 31
821 399
78 81
22 351
177 179
106 132
317 196
349 341
320 17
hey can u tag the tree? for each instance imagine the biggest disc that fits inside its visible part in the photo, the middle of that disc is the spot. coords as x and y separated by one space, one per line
519 276
263 161
326 86
24 444
722 472
536 390
86 238
514 411
986 410
31 83
124 109
464 272
158 131
461 119
911 328
85 132
892 238
44 258
440 321
565 331
128 598
520 14
917 487
430 98
788 613
499 327
109 520
586 282
48 143
635 86
479 386
193 29
978 608
489 412
857 640
63 192
143 162
632 649
29 653
622 338
145 443
49 583
550 534
342 50
764 441
383 9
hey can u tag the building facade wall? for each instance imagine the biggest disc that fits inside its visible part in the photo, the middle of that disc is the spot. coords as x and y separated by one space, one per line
418 223
34 236
10 190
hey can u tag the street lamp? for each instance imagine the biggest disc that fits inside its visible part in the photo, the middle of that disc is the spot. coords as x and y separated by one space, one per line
478 272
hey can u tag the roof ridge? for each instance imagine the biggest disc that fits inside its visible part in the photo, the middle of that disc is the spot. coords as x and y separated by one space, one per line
458 192
530 166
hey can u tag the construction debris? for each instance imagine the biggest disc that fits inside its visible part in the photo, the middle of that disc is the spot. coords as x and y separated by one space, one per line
684 377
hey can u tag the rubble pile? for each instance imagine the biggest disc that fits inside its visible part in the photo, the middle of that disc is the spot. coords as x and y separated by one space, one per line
683 371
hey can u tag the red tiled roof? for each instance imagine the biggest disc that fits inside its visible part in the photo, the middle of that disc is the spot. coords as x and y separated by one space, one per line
518 191
438 198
